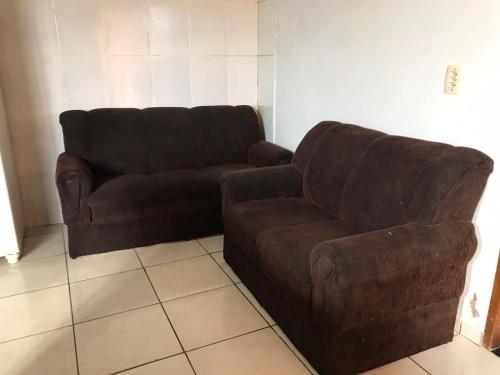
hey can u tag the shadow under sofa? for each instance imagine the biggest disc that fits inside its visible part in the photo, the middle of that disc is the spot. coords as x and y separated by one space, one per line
131 177
358 249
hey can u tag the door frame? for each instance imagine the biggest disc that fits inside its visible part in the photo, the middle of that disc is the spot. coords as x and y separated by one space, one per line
491 339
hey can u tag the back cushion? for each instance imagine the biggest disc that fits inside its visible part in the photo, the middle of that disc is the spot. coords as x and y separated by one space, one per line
304 151
226 133
112 140
172 138
332 160
400 180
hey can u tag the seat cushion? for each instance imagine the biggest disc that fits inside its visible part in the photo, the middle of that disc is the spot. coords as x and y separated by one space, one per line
218 170
147 196
284 256
246 220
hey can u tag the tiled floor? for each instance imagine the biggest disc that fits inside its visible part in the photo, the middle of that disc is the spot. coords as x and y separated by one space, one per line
167 309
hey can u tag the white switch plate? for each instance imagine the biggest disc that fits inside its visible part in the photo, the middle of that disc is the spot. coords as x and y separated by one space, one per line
452 84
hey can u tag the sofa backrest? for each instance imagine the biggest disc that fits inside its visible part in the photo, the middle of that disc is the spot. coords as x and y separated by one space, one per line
331 161
129 141
400 180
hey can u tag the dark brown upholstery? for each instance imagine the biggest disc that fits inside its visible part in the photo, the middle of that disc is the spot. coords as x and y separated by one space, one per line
359 248
133 177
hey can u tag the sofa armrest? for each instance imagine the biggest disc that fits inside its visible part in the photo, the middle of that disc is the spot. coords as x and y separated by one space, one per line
264 154
382 274
261 183
74 182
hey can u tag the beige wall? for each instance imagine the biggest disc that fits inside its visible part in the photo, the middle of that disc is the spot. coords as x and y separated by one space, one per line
66 54
382 64
11 215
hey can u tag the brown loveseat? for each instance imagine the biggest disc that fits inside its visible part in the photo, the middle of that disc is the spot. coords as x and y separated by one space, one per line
133 177
359 248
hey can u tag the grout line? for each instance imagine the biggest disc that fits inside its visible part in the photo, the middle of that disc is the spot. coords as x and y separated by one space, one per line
171 261
24 261
148 363
102 276
234 282
116 313
228 339
196 293
166 315
71 307
34 290
293 350
468 339
411 359
35 334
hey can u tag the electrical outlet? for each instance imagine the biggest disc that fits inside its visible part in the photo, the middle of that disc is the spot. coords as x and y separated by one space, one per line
452 84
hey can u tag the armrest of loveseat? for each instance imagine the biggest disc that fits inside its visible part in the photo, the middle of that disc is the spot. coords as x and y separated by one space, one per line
264 154
377 275
74 182
261 183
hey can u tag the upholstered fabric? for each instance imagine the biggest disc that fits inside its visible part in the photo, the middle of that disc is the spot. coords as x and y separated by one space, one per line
282 181
219 170
371 249
304 151
284 256
126 170
331 163
113 141
131 198
264 154
369 276
75 182
249 219
172 138
225 133
399 180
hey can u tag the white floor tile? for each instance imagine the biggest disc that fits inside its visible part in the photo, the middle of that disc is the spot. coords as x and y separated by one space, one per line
112 294
256 303
213 244
125 340
48 229
212 316
185 277
458 357
32 275
285 338
90 266
35 312
169 252
404 366
47 353
176 365
42 246
219 258
258 353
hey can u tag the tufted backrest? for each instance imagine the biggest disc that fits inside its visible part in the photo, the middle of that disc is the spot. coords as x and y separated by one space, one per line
130 141
400 180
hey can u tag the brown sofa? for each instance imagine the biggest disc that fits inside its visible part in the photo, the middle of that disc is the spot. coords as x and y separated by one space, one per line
133 177
359 248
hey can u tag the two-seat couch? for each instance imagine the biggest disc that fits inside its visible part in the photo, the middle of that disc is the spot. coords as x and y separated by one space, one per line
131 177
359 248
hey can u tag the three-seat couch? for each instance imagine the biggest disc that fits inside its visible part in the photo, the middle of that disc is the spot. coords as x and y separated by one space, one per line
131 177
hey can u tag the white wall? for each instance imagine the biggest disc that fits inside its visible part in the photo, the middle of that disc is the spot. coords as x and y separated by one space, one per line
67 54
11 215
382 64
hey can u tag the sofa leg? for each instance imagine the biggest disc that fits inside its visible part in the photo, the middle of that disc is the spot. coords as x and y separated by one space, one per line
12 258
